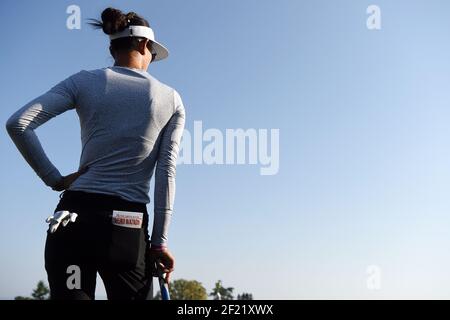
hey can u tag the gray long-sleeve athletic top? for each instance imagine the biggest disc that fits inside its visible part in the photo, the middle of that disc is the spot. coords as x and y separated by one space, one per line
130 123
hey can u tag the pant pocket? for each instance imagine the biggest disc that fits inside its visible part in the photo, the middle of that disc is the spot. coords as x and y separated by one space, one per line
127 244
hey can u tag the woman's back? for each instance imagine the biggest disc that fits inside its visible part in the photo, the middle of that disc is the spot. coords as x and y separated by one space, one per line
122 113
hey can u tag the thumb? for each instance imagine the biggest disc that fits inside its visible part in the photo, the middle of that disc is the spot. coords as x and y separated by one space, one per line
79 172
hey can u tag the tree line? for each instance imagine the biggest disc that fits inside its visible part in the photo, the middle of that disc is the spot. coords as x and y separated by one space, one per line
179 289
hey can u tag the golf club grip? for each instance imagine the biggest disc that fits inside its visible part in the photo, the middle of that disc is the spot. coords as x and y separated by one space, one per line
164 287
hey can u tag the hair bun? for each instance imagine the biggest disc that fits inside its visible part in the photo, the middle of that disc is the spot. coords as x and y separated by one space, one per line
131 15
113 20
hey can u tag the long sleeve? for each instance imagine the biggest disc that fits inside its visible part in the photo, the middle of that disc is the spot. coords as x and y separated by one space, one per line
23 122
165 173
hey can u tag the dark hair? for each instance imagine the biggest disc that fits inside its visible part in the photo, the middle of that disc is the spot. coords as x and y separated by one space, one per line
113 21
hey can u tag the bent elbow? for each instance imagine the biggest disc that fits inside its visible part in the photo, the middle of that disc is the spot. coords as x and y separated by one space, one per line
13 126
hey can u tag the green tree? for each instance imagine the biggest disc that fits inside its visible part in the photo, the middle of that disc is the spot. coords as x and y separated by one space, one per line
221 293
185 290
41 292
245 296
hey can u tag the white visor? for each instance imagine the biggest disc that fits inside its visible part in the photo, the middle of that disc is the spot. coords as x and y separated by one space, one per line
158 49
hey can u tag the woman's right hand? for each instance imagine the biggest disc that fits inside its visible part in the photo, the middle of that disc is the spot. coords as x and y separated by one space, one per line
66 181
164 261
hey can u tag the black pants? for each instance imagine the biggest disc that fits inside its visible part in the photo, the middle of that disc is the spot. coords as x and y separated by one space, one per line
93 243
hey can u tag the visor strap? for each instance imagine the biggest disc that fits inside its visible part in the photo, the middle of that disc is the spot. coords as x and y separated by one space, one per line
134 31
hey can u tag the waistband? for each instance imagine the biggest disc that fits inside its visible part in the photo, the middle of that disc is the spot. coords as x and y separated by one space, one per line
101 200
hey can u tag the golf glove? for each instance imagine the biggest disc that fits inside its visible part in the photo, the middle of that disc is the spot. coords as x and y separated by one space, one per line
60 217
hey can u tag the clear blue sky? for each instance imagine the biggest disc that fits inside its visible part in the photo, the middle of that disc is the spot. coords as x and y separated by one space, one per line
364 141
